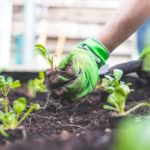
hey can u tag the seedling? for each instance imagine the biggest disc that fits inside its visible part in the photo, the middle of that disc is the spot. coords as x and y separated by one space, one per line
118 92
12 118
42 51
6 85
37 85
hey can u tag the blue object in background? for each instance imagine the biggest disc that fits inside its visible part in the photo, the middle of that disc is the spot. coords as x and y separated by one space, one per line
143 36
18 50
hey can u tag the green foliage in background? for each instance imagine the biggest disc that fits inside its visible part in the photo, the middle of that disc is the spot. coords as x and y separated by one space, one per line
37 85
133 134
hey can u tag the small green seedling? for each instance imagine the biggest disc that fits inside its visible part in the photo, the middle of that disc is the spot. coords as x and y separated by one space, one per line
133 134
37 85
12 119
42 51
6 85
118 92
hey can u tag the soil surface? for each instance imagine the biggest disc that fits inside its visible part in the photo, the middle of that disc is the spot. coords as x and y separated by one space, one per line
74 126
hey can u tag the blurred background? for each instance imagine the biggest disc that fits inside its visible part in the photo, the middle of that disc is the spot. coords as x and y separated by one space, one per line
59 25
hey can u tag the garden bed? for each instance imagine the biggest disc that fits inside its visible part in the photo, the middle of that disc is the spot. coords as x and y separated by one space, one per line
74 126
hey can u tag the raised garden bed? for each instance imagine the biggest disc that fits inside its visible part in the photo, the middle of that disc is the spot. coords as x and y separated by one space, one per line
60 119
74 126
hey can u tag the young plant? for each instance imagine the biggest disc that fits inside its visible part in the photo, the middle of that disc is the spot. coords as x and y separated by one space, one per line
42 51
6 85
12 119
37 85
118 92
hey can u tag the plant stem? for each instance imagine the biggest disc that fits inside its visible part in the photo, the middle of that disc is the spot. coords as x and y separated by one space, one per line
122 109
5 104
135 108
3 132
32 107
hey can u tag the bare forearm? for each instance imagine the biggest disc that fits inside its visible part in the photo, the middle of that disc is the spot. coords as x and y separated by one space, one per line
128 18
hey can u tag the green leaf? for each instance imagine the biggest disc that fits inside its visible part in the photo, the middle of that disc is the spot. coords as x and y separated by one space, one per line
37 85
108 107
109 78
16 84
110 89
6 84
41 50
112 98
123 89
3 132
2 82
35 107
41 75
2 116
117 73
105 83
10 120
19 105
117 100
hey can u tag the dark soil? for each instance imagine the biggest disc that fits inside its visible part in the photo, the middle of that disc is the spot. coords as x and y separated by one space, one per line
75 126
14 135
55 84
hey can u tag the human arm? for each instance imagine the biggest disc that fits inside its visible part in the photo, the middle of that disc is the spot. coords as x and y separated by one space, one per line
128 18
130 15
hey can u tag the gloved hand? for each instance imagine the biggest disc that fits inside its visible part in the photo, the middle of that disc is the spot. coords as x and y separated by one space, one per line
78 72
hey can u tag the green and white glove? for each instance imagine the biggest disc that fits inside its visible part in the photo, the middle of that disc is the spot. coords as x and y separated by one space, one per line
84 60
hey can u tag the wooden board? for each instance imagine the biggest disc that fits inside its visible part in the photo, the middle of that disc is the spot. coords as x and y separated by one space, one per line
84 15
74 3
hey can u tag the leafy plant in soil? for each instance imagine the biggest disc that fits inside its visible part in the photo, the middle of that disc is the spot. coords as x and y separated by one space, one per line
6 85
118 93
42 51
133 134
37 85
72 78
11 118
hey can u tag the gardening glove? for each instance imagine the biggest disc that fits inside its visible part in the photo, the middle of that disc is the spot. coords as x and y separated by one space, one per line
79 70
